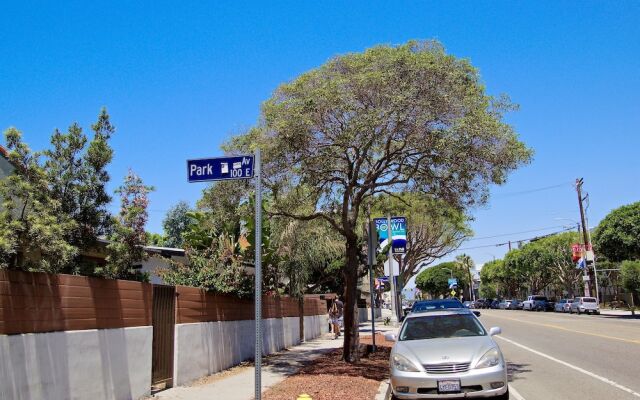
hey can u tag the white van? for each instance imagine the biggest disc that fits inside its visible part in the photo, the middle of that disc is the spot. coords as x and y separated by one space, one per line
587 305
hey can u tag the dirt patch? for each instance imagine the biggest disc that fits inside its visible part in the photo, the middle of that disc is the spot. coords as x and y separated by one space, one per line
380 340
330 378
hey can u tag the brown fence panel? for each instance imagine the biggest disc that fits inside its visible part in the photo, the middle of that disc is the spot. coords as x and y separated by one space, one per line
198 305
40 302
163 332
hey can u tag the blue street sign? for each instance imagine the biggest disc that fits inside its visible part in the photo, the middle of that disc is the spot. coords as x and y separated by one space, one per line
398 233
219 169
452 281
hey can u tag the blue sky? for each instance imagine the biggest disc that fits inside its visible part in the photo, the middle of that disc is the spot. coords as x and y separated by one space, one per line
179 79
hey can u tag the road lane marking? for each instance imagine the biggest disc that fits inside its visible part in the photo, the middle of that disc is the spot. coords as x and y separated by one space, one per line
566 364
514 393
569 330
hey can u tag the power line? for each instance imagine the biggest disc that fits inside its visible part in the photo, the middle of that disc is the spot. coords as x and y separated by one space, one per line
540 189
515 233
514 241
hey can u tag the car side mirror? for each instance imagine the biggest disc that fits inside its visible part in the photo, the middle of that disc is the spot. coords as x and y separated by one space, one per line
495 331
390 337
477 313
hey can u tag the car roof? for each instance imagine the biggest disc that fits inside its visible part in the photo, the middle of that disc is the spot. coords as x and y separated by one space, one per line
439 311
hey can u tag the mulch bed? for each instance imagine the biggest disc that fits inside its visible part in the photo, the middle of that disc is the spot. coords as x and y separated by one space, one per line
330 378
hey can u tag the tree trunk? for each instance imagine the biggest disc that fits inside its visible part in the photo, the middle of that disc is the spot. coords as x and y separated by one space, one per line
351 333
301 314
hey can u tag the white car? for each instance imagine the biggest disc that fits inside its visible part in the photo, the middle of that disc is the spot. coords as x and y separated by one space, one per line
588 305
446 354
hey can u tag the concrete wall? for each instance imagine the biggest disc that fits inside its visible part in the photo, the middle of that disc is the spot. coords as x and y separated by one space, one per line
364 314
88 364
205 348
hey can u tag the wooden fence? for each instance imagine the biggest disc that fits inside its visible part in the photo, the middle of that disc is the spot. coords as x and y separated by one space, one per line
39 302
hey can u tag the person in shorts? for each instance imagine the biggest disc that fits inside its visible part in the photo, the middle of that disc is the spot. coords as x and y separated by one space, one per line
336 313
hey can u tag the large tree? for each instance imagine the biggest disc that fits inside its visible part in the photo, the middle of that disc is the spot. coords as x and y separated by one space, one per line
435 280
630 272
434 229
126 247
77 178
407 118
617 237
33 225
175 223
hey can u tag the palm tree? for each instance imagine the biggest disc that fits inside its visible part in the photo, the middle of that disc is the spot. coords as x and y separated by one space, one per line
466 263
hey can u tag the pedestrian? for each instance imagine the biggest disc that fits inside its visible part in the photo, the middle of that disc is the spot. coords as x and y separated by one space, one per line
336 313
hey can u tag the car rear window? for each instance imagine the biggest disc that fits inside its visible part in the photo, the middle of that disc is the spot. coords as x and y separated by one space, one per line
589 300
436 305
539 298
441 326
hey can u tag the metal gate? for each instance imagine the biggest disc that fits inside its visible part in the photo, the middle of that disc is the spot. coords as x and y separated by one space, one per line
164 319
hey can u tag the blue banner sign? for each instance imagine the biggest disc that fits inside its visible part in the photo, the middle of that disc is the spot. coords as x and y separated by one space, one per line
398 233
220 169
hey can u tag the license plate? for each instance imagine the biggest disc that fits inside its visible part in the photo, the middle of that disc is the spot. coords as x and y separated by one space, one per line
448 386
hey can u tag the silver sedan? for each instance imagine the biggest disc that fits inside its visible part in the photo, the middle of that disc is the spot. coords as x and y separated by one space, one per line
446 354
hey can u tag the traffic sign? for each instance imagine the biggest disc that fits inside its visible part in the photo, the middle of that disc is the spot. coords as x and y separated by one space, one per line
240 167
398 233
452 281
220 169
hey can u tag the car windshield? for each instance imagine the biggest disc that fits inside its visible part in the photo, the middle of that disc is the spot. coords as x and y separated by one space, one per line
436 305
441 326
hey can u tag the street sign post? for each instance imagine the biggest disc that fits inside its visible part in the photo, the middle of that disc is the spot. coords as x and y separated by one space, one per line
220 169
230 168
393 230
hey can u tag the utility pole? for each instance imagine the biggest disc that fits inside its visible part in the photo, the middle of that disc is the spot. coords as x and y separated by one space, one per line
371 258
394 309
585 237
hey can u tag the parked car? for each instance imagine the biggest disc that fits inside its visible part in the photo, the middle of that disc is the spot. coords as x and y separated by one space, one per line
481 303
563 305
588 305
443 353
504 304
468 304
495 305
515 304
535 303
428 305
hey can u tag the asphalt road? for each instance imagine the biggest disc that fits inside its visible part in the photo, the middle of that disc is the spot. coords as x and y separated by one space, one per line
566 357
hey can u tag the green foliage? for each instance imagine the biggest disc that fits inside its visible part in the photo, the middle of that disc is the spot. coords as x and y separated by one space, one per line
434 228
216 260
155 239
617 237
532 268
126 247
77 178
406 118
175 224
630 272
33 226
434 280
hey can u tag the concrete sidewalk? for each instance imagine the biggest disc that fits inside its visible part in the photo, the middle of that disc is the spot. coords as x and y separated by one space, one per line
238 383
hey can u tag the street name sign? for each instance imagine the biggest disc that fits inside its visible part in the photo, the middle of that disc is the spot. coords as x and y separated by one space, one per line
220 169
240 167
